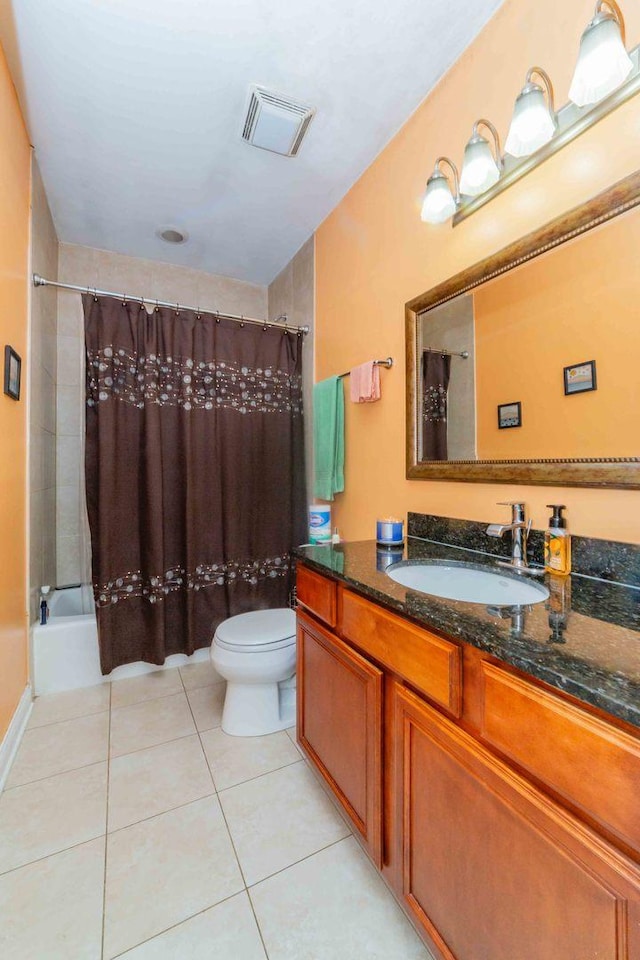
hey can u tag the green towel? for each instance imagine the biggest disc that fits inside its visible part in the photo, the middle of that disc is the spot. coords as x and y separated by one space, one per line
328 438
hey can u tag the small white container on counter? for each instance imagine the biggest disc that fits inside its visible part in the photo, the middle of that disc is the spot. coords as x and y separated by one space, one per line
319 523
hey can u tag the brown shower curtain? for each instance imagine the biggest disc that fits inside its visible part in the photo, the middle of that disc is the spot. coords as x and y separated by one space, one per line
195 473
436 370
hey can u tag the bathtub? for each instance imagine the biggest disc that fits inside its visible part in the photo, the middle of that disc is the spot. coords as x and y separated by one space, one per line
65 650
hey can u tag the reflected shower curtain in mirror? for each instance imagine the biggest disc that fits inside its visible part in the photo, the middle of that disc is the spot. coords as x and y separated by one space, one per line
436 370
194 473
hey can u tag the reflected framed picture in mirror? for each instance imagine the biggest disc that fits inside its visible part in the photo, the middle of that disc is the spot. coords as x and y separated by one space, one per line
509 415
580 377
12 368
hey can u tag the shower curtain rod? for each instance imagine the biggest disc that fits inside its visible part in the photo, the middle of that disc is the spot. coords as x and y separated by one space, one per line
449 353
39 281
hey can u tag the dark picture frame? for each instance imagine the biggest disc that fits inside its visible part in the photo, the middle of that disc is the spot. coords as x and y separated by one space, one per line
12 372
509 415
580 378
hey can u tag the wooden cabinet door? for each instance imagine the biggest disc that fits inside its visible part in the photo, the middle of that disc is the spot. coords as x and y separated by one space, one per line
492 868
340 725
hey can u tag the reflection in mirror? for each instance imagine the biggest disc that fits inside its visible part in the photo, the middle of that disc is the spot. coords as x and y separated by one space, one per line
575 304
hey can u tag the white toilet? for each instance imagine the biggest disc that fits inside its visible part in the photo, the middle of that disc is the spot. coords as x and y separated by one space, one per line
256 654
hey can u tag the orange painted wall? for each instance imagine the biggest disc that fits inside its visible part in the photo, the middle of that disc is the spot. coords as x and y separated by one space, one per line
14 252
579 302
373 254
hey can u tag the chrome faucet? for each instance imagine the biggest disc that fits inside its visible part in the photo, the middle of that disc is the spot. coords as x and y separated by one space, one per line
519 529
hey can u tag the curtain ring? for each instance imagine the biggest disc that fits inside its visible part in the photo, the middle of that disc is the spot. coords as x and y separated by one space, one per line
95 294
157 306
217 316
177 309
124 299
241 320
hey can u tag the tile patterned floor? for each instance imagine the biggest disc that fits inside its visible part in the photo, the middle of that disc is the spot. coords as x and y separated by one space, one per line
133 827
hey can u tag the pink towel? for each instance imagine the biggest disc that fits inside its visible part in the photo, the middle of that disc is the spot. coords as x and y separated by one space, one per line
365 383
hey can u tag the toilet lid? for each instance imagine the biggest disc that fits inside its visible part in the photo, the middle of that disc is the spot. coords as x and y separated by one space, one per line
258 628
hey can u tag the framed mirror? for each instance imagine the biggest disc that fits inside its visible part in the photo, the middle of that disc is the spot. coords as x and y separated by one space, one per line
525 368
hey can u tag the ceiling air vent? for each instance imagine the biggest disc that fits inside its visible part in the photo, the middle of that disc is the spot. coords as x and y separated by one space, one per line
275 123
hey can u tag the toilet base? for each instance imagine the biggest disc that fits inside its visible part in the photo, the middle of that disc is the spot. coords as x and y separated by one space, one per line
257 709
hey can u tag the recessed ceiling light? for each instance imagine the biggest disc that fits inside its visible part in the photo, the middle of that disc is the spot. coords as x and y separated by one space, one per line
171 235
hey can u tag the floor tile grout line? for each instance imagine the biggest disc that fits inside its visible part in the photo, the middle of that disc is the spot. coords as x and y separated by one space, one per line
54 853
51 723
52 776
58 773
173 926
162 813
163 696
258 776
150 746
106 833
308 856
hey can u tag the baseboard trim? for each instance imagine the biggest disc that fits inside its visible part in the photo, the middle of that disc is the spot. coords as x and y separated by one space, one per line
14 734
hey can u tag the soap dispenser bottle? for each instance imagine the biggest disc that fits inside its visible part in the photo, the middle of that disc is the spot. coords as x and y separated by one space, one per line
557 543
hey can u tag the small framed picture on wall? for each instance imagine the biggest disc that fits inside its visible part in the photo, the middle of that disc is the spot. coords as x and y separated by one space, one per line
509 415
12 370
580 377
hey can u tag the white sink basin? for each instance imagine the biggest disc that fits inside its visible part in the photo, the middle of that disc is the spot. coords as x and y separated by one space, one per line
455 581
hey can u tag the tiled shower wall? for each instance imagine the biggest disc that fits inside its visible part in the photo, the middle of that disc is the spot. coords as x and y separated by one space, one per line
293 293
42 399
89 267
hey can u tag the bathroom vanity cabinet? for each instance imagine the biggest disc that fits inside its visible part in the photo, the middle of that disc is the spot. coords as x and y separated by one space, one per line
504 815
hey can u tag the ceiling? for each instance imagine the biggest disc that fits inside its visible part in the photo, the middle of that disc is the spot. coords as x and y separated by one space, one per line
135 109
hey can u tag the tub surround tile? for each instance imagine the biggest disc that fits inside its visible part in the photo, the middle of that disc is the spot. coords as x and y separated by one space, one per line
201 674
68 565
149 686
234 760
55 707
153 781
43 818
595 656
58 747
268 837
333 905
228 930
53 908
206 704
151 722
165 870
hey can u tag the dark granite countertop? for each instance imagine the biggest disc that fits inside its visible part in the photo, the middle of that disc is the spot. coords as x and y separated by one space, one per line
585 641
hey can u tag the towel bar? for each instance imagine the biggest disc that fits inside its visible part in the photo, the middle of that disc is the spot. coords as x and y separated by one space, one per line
388 363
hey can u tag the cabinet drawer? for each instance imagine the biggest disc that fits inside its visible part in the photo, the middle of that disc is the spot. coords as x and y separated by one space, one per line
591 763
317 594
427 662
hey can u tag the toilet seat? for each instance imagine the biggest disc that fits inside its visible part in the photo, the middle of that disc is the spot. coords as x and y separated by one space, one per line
257 631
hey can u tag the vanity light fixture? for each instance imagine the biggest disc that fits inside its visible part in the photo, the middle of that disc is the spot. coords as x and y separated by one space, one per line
534 118
480 169
439 202
606 76
603 62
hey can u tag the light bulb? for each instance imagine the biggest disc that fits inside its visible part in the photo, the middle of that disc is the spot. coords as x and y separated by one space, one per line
603 62
479 169
439 203
533 123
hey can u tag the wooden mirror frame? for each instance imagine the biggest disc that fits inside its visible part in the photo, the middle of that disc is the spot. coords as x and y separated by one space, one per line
621 472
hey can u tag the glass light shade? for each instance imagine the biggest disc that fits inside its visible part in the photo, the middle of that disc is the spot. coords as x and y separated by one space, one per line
532 124
603 63
479 168
439 203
